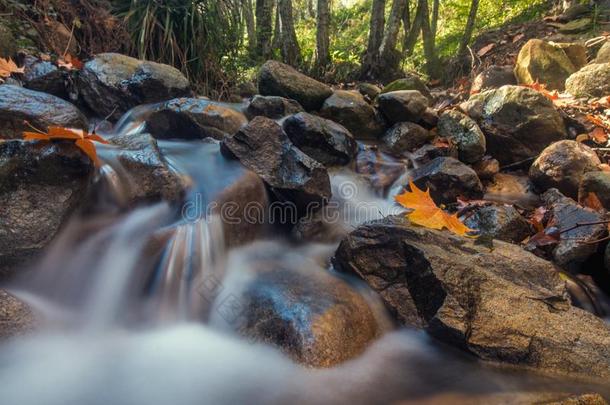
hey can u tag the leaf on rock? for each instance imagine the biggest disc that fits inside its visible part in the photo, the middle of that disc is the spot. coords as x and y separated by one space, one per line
8 67
426 213
70 62
541 88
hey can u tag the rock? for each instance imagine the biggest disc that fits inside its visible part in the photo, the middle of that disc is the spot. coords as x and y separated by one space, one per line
577 53
246 89
429 119
512 398
324 140
410 82
576 26
39 109
405 137
401 106
427 153
41 185
607 257
487 168
563 165
111 84
603 55
292 303
598 183
464 133
448 179
590 81
272 107
518 122
263 147
278 79
539 61
574 12
578 244
502 222
502 304
351 110
378 168
194 118
492 78
16 317
8 47
146 174
47 78
369 90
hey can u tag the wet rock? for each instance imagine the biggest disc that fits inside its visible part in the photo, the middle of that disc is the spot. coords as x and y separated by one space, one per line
8 46
41 110
324 140
405 137
563 165
487 168
351 110
590 81
263 147
410 82
577 243
539 61
47 78
492 78
16 317
369 90
518 122
597 183
41 185
464 133
380 169
272 107
429 119
292 303
502 222
111 84
145 172
502 305
401 106
427 153
577 53
448 178
194 118
603 55
278 79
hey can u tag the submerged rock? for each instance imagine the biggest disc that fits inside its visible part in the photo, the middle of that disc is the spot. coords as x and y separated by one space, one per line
464 133
278 79
541 62
405 137
597 183
263 147
111 84
492 78
40 110
562 166
272 107
404 105
502 305
194 118
448 178
41 185
590 81
518 122
502 222
324 140
351 110
16 317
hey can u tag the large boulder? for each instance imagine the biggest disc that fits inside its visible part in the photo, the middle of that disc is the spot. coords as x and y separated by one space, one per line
278 79
41 185
290 302
19 106
464 132
539 61
351 110
324 140
590 81
598 183
16 317
194 118
603 55
562 166
518 122
111 84
405 137
272 107
263 147
410 82
447 178
493 77
401 106
502 305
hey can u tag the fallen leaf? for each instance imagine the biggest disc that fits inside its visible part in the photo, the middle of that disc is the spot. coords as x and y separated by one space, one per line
8 67
599 136
591 200
70 62
537 219
541 88
483 51
518 37
427 214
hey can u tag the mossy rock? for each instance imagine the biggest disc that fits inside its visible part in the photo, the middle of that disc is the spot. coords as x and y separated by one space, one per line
542 62
411 82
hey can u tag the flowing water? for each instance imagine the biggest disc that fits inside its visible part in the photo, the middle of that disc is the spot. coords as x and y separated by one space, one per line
123 324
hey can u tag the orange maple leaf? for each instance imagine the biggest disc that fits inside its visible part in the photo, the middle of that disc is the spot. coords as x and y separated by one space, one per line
8 67
427 214
70 62
83 140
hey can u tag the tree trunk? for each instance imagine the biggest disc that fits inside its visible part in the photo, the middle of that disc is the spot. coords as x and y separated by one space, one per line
250 25
377 24
323 36
406 19
434 19
472 17
388 57
276 43
413 34
432 62
264 28
291 53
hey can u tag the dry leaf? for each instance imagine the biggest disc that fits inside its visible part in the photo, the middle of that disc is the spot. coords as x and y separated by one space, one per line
483 51
599 136
8 67
518 37
591 200
427 214
541 88
70 62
